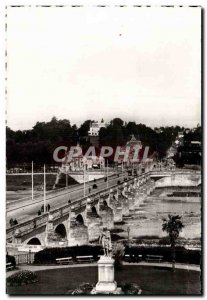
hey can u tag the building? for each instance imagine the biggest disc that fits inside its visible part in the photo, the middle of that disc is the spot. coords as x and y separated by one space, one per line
95 127
78 163
133 144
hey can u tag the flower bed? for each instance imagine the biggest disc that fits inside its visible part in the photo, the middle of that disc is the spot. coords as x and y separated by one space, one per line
21 278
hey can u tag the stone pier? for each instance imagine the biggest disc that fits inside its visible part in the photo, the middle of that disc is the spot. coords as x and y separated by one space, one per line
93 222
124 201
106 213
115 204
78 231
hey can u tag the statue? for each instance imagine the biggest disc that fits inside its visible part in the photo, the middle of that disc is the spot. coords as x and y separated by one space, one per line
105 239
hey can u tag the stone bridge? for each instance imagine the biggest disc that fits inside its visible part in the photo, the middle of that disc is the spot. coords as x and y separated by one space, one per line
82 221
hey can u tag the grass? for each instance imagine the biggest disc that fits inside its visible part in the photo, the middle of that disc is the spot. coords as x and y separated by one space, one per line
24 182
152 281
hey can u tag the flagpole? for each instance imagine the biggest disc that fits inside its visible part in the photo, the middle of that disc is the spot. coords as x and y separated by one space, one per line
107 182
66 178
84 184
44 191
32 183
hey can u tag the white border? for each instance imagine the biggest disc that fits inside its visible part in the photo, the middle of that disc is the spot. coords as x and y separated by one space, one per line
3 3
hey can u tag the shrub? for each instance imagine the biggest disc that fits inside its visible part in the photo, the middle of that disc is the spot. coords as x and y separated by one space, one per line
11 259
118 253
182 255
87 288
83 289
130 289
49 255
21 277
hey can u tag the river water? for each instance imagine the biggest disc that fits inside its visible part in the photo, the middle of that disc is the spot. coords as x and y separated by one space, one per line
147 218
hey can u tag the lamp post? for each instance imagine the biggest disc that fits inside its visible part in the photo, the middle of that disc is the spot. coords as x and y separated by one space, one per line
66 177
44 191
128 231
84 181
32 183
107 179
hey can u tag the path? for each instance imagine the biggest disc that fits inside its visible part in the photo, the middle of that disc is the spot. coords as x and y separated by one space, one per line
30 210
35 268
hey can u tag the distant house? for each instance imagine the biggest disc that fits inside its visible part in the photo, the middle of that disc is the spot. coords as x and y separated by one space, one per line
95 127
180 135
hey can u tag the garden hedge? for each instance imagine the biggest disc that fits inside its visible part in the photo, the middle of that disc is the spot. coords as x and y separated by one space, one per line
182 255
11 259
49 255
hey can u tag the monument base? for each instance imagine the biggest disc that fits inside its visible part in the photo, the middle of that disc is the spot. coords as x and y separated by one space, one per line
106 283
118 291
106 286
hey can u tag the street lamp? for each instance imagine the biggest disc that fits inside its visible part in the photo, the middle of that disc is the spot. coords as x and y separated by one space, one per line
44 191
84 182
107 179
128 231
32 182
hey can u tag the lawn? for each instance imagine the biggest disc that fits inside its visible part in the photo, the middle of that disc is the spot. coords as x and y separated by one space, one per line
24 182
152 280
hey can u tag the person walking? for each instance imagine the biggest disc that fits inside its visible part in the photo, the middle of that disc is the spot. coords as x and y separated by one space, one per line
11 222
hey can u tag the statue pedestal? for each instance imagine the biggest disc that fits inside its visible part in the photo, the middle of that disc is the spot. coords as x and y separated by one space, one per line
106 281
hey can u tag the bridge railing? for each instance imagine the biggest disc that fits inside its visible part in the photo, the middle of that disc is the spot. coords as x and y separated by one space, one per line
26 226
62 191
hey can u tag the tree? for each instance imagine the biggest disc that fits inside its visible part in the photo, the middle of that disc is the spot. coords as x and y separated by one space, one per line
117 122
118 253
84 128
173 225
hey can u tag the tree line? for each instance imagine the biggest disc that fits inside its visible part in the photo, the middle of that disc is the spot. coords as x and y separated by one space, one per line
39 143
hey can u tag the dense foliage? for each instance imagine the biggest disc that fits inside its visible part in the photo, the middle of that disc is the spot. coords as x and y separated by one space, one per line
11 259
182 255
118 253
49 255
21 277
39 143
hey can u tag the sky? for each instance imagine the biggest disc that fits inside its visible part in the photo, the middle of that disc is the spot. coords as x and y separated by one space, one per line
78 63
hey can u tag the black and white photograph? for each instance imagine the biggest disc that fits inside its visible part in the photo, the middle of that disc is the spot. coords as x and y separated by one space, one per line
103 150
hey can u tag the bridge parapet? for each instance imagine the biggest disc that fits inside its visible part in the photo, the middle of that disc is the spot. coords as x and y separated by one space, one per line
25 227
80 204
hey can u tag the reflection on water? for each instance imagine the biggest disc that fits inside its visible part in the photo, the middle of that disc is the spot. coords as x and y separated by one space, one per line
146 219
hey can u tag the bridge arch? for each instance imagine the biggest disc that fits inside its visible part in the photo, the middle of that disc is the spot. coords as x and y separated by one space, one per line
93 209
79 219
34 241
105 203
61 230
